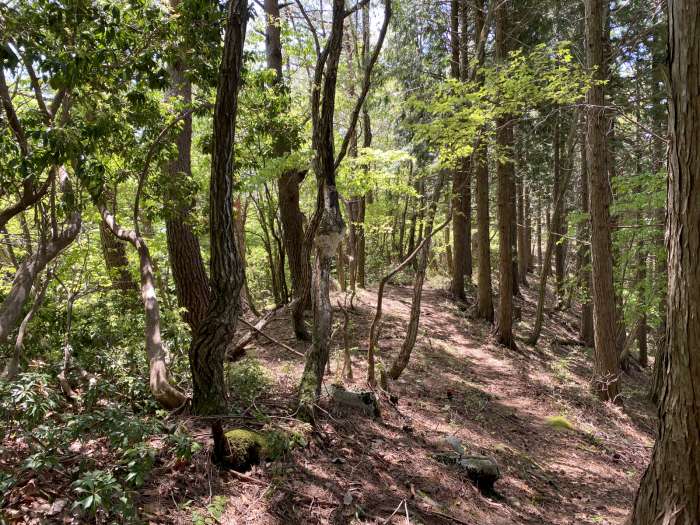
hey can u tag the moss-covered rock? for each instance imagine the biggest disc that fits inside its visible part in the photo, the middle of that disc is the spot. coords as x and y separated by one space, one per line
245 448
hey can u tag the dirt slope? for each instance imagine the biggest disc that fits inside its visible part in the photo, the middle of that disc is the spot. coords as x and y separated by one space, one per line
565 458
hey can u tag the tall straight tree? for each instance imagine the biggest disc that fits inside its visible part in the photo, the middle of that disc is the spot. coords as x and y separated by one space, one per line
505 175
288 184
189 273
669 492
459 224
215 331
484 303
607 370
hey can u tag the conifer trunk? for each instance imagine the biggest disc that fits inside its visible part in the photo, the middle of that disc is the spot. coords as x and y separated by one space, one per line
669 492
606 380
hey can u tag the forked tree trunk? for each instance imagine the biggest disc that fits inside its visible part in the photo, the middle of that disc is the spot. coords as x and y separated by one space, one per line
208 348
607 372
669 492
12 365
47 251
330 221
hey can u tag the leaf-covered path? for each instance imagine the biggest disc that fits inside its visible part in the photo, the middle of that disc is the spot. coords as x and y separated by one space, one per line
565 458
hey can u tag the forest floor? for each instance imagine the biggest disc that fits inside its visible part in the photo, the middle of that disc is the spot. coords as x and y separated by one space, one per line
564 457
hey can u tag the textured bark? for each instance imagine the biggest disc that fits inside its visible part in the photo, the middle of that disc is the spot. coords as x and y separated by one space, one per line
606 379
215 331
298 253
189 273
669 492
504 174
330 225
330 222
484 303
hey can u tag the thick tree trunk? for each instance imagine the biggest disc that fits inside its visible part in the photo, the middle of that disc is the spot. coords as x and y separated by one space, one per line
669 492
298 254
459 174
606 380
214 333
189 273
504 174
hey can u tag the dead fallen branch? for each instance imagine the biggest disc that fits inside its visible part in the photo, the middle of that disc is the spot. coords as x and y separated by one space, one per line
272 339
238 350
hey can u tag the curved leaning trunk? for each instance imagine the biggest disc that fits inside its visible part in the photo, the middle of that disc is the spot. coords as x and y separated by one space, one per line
12 366
166 394
11 308
401 360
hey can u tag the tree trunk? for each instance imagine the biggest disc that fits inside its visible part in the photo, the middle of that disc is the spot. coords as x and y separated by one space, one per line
670 488
12 365
557 218
331 226
459 173
504 174
47 251
401 361
208 348
606 380
484 305
523 247
298 253
586 319
167 395
114 253
189 273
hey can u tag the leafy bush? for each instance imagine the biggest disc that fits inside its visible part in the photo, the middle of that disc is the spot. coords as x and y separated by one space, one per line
247 380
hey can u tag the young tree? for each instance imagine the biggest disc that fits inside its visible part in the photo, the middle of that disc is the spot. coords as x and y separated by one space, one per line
214 333
670 488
